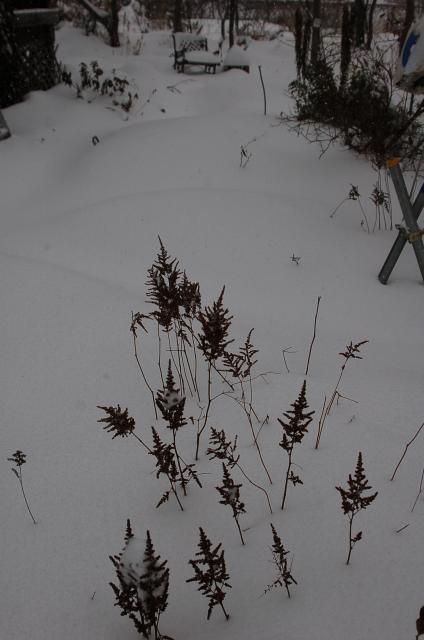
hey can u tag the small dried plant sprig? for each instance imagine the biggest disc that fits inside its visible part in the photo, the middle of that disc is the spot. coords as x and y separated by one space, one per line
171 403
210 572
351 352
215 323
166 465
295 426
226 450
284 576
163 288
173 467
143 585
230 494
19 459
354 501
120 424
354 195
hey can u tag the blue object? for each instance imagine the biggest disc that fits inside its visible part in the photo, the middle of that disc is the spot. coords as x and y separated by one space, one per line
411 40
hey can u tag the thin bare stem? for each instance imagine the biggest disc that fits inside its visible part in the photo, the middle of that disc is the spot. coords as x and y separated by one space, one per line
141 442
143 374
239 530
406 449
160 357
287 480
205 419
420 490
24 495
255 485
314 335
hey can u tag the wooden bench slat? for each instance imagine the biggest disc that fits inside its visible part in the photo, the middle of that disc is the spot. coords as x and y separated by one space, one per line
36 17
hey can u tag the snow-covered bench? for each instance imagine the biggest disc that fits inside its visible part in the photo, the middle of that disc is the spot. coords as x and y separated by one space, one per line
192 50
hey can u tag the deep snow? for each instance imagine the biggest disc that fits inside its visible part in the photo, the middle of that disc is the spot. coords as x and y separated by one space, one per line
79 231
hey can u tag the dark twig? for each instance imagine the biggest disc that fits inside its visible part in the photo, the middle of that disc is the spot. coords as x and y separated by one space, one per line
406 449
314 336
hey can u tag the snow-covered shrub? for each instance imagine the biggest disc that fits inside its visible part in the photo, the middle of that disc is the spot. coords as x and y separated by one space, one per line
360 108
93 82
142 592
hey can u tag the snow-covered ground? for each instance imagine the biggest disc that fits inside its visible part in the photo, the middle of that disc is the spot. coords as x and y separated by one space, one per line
80 224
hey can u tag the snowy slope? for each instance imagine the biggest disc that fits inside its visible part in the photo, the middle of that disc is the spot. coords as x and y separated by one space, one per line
79 230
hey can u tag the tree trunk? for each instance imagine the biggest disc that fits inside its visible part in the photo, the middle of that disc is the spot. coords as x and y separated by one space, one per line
316 32
370 31
108 20
114 24
178 16
12 79
409 19
232 18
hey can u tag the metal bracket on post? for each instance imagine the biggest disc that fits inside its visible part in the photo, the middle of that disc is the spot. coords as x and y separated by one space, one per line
412 233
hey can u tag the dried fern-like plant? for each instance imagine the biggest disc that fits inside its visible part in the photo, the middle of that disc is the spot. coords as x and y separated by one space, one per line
354 500
143 584
295 426
210 572
284 576
215 322
226 450
230 494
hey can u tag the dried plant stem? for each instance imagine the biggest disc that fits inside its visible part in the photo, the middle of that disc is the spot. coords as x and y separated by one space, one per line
406 449
255 436
143 374
174 491
364 214
141 442
351 540
314 335
239 530
326 410
160 356
420 490
208 406
263 87
21 482
255 485
171 351
177 455
333 213
286 483
320 424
